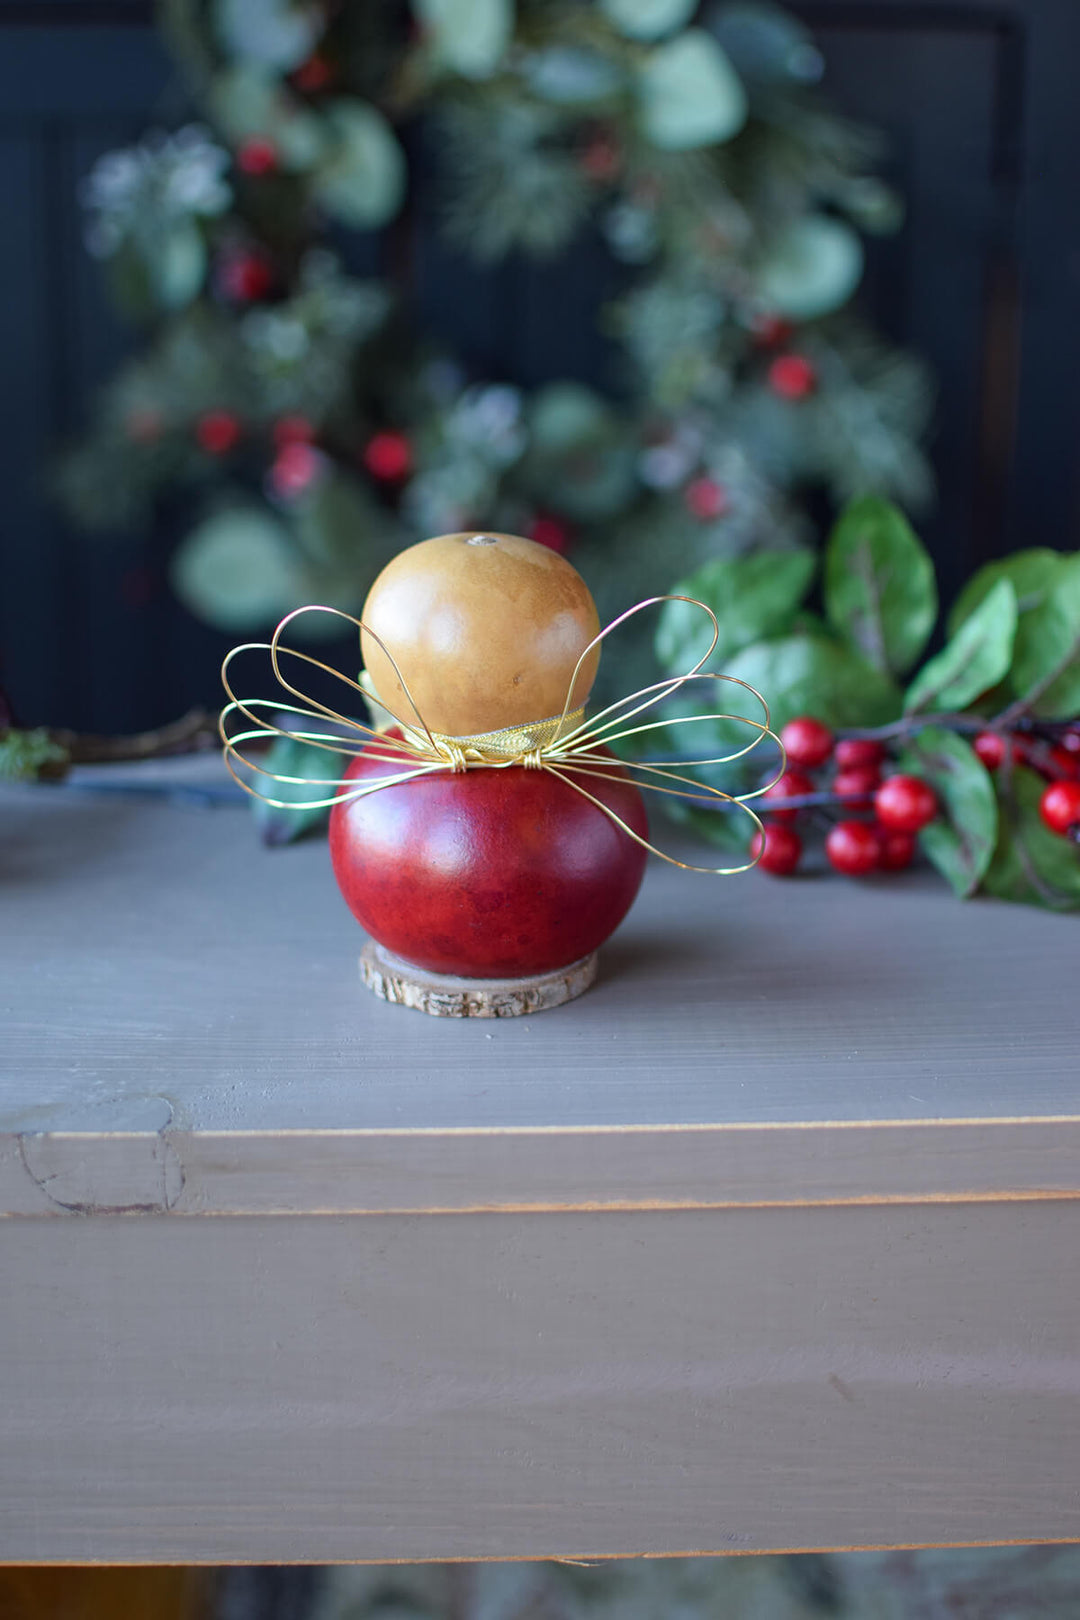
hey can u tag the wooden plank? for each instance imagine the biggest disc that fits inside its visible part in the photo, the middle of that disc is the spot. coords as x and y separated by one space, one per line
538 1385
156 951
603 1168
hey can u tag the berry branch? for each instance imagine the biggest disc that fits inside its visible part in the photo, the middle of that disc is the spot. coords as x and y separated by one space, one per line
46 754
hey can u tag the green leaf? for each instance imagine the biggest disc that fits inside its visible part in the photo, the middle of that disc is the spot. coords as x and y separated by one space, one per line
960 842
728 829
690 94
238 570
812 268
880 590
274 33
1031 864
805 674
363 182
468 36
648 19
1031 574
1046 664
30 756
753 597
977 657
290 756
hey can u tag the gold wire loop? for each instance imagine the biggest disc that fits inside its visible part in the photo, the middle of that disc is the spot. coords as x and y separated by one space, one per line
569 746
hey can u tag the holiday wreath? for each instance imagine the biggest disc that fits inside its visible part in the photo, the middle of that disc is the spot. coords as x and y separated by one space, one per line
322 430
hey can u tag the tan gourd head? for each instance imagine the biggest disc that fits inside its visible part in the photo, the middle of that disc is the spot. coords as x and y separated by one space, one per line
486 630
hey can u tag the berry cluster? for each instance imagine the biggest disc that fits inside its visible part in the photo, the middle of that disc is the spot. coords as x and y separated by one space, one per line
1059 762
900 806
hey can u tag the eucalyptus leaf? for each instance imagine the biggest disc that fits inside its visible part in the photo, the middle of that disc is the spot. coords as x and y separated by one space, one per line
275 33
961 839
1031 864
880 590
570 76
753 597
565 415
766 43
977 657
178 264
805 674
345 537
812 268
690 95
238 570
648 19
363 183
132 284
577 461
468 36
586 485
1046 665
296 817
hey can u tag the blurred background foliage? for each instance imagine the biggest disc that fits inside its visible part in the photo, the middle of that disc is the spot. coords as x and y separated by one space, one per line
1007 1583
305 425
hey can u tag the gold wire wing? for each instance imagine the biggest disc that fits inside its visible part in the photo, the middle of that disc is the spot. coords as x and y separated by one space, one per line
567 745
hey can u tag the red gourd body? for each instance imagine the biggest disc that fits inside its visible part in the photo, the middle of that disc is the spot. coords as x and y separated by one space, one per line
489 873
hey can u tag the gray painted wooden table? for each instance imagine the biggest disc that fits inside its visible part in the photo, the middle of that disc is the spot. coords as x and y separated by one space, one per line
770 1241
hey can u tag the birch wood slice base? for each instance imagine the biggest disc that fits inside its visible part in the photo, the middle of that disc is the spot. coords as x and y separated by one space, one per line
443 995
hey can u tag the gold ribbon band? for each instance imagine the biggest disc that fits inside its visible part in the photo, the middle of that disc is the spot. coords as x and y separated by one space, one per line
569 746
515 745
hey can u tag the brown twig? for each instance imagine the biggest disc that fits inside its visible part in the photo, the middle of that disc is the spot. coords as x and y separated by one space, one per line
196 732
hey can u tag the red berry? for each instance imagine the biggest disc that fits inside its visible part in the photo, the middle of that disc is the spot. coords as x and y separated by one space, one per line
388 457
905 804
778 851
770 331
705 498
313 75
550 532
897 849
601 159
1070 740
246 278
1060 806
807 741
257 155
296 466
853 847
991 749
854 752
792 785
293 430
857 783
217 432
791 376
1064 763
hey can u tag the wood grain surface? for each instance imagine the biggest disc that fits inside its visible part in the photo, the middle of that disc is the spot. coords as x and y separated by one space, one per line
768 1241
153 951
538 1385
